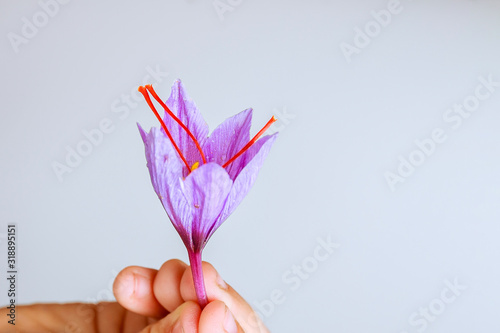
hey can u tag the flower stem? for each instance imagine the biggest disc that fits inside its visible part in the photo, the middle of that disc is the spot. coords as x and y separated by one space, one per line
199 284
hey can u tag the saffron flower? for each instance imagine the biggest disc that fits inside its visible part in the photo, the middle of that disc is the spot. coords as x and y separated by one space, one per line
200 179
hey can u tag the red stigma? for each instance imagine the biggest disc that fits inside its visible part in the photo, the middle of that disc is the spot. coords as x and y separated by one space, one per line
171 114
144 92
251 142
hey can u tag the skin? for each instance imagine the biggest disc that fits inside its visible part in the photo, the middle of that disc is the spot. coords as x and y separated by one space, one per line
148 301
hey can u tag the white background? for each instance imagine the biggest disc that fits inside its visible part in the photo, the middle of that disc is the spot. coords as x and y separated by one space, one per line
345 120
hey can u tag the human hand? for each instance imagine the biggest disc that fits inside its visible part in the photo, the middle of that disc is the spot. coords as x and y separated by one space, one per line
169 294
149 301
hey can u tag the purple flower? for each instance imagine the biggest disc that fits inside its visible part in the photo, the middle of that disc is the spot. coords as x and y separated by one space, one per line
200 179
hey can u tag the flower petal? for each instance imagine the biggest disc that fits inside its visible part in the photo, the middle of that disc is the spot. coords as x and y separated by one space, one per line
165 170
185 109
227 139
246 177
206 190
161 159
197 202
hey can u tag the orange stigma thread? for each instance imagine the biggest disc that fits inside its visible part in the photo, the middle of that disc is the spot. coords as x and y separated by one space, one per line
171 114
144 92
251 142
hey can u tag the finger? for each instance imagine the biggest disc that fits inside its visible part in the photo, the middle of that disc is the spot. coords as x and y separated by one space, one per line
133 289
218 289
167 283
69 317
216 317
184 319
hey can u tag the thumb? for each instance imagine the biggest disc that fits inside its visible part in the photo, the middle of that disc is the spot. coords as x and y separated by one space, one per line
219 290
216 317
184 319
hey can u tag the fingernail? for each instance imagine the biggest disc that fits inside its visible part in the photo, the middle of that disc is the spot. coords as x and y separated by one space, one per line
229 324
178 327
221 283
141 285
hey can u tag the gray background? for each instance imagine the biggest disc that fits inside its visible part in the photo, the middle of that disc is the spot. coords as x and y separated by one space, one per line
344 122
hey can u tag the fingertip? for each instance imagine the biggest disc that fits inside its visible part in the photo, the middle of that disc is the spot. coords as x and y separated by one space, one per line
216 317
133 289
184 319
190 316
166 285
173 263
123 284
